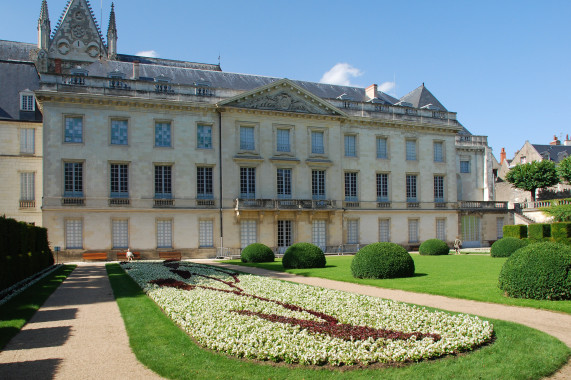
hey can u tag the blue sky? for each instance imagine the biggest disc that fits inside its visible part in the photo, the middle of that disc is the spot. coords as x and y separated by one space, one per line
503 66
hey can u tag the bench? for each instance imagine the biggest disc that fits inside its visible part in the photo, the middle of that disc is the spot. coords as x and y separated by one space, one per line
94 256
123 255
170 256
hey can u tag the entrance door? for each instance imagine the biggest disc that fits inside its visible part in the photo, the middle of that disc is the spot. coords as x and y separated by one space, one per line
471 231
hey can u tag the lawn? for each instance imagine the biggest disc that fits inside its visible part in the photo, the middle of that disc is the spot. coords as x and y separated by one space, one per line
472 277
159 344
15 313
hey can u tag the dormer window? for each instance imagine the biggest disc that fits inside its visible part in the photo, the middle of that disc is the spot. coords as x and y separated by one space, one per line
116 75
27 101
163 84
79 72
162 79
117 80
203 89
545 156
562 155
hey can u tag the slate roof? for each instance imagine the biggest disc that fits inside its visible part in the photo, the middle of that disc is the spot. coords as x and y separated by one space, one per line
15 51
556 152
421 97
15 77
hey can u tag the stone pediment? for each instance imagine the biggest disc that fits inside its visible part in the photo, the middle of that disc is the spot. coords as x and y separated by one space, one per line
283 96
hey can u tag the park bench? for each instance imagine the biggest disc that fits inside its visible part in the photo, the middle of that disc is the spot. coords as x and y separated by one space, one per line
123 255
170 255
94 256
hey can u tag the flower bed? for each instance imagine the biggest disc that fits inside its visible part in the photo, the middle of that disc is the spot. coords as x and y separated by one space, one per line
265 319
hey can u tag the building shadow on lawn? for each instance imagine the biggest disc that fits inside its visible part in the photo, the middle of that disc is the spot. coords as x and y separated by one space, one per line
46 369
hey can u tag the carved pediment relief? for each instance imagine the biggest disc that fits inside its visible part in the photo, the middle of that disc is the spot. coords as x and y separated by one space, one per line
284 96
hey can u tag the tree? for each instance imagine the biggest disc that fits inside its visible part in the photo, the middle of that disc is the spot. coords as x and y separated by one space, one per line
564 169
533 175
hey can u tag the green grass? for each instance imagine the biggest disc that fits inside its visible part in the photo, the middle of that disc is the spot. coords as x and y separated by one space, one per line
473 277
15 313
160 345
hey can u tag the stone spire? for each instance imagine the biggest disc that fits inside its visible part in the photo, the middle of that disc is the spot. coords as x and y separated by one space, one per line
112 35
44 27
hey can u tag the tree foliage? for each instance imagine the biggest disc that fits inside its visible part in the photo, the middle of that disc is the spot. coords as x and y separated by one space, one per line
533 175
560 213
564 169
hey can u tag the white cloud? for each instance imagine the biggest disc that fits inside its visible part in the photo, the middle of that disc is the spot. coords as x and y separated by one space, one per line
148 53
341 74
387 87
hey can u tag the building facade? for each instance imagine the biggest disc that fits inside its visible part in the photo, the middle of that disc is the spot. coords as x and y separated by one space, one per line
156 154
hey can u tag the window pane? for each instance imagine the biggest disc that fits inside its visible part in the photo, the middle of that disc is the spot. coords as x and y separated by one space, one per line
285 236
351 187
441 229
411 150
204 183
438 189
247 141
284 183
464 166
163 181
74 234
205 233
283 140
119 181
73 130
73 179
438 152
27 140
382 187
350 146
163 134
411 188
352 232
120 230
384 230
119 132
248 229
27 186
317 146
413 231
164 234
204 136
318 184
248 183
319 233
382 147
27 103
500 227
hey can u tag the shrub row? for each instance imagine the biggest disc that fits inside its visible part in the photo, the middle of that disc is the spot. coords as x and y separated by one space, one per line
506 246
559 232
24 251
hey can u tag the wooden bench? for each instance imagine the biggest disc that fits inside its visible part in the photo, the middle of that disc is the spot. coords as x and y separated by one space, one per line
94 256
170 256
123 255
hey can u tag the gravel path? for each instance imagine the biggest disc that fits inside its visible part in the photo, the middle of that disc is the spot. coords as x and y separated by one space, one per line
552 323
77 334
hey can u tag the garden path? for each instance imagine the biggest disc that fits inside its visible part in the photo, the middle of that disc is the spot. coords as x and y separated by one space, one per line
552 323
78 333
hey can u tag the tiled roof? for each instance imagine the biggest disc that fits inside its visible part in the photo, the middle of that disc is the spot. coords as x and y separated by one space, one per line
421 97
556 152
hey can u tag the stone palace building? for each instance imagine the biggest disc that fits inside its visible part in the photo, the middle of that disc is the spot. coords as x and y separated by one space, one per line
110 151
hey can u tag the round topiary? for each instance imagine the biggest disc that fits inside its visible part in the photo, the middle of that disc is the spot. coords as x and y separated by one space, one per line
538 271
434 247
303 255
382 260
506 246
257 253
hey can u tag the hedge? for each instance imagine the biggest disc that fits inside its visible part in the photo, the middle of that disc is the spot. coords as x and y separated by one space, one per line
257 253
434 247
518 231
382 260
561 232
537 232
303 255
506 246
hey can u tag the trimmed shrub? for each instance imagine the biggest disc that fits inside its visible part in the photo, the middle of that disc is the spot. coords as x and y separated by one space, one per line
382 260
434 247
518 231
537 232
257 253
506 246
561 232
538 271
303 255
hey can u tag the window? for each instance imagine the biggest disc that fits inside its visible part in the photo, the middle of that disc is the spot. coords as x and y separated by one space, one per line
205 233
351 187
284 183
285 235
353 232
204 183
119 131
382 151
73 179
438 188
163 134
317 146
119 181
438 151
411 188
384 230
163 181
74 234
441 229
27 102
73 129
120 232
247 141
248 183
411 150
500 227
318 184
248 232
382 187
350 146
413 231
27 140
464 166
522 160
319 233
164 234
204 136
283 140
27 186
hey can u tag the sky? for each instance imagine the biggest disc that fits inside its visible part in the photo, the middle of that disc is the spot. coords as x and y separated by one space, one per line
503 66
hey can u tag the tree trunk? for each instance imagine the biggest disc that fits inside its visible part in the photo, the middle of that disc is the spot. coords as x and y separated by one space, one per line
533 195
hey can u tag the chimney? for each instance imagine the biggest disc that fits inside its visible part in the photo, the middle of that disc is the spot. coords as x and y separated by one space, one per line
567 142
502 156
555 141
371 91
57 63
136 70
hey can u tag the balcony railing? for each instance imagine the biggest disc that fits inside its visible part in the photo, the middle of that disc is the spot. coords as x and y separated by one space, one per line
27 203
161 202
283 204
119 201
483 205
73 201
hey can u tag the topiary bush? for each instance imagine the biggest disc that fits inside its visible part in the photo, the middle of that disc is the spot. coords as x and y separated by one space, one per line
303 255
518 231
434 247
538 232
560 232
506 246
257 253
382 260
539 271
